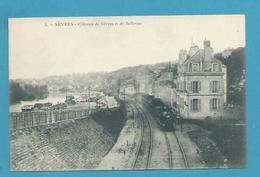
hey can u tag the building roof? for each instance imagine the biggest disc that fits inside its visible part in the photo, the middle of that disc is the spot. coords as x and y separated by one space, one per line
199 56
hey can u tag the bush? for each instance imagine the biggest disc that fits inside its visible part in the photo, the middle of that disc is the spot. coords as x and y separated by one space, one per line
27 92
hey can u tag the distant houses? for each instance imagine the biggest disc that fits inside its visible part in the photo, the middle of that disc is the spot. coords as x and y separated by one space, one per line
128 89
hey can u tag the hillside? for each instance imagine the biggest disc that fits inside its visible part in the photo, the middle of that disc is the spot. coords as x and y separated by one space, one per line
148 78
107 81
235 63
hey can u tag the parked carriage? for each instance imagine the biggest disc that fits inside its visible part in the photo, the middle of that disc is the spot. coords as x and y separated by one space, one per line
27 108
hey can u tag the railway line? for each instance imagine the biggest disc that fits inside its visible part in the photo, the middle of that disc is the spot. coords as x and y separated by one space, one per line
177 157
170 158
169 149
167 140
179 148
184 157
140 139
144 147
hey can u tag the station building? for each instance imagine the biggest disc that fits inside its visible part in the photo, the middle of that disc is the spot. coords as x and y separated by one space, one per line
200 83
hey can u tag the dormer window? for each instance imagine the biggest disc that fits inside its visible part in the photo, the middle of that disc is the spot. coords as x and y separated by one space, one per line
195 67
215 67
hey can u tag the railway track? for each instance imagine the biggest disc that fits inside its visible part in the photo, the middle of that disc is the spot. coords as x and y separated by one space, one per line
169 150
170 154
140 139
184 157
145 143
144 148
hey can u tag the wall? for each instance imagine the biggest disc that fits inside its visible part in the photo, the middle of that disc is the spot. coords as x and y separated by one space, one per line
205 94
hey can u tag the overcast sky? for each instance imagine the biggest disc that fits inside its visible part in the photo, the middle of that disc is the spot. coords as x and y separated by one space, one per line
40 47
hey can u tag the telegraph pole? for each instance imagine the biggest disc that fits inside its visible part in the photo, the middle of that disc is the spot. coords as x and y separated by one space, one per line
89 97
124 94
171 97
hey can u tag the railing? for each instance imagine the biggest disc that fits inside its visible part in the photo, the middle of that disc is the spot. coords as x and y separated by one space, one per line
20 120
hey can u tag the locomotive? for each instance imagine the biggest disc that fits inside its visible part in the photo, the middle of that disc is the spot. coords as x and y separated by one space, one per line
164 114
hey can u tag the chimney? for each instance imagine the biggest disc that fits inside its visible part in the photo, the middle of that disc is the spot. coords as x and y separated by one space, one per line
206 44
193 49
208 51
182 55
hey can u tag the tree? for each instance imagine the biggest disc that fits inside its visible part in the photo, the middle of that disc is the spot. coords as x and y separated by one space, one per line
27 92
235 64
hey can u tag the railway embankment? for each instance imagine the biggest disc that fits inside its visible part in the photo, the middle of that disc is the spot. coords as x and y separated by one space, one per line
221 142
75 144
191 151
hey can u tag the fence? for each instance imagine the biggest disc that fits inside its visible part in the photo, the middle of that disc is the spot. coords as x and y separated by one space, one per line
20 120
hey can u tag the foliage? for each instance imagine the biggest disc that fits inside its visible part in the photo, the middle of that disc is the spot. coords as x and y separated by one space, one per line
229 137
26 92
137 75
235 64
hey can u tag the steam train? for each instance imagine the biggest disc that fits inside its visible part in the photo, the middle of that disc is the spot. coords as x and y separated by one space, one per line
165 116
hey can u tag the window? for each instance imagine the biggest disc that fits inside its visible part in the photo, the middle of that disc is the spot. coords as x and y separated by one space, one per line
182 103
215 86
195 67
214 104
195 86
215 67
195 104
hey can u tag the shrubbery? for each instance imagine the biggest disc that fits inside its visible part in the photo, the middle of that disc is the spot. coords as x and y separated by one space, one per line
235 64
27 92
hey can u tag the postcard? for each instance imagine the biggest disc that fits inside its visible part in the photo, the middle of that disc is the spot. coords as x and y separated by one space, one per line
127 92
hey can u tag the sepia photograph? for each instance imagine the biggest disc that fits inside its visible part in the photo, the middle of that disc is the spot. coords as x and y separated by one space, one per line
127 93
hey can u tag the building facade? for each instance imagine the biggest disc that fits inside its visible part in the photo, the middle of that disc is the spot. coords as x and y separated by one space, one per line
200 83
129 89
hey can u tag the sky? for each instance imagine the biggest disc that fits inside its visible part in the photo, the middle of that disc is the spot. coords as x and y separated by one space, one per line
41 47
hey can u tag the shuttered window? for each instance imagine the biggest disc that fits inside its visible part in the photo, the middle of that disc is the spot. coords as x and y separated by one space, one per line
182 103
215 67
214 104
195 67
195 86
195 104
214 86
